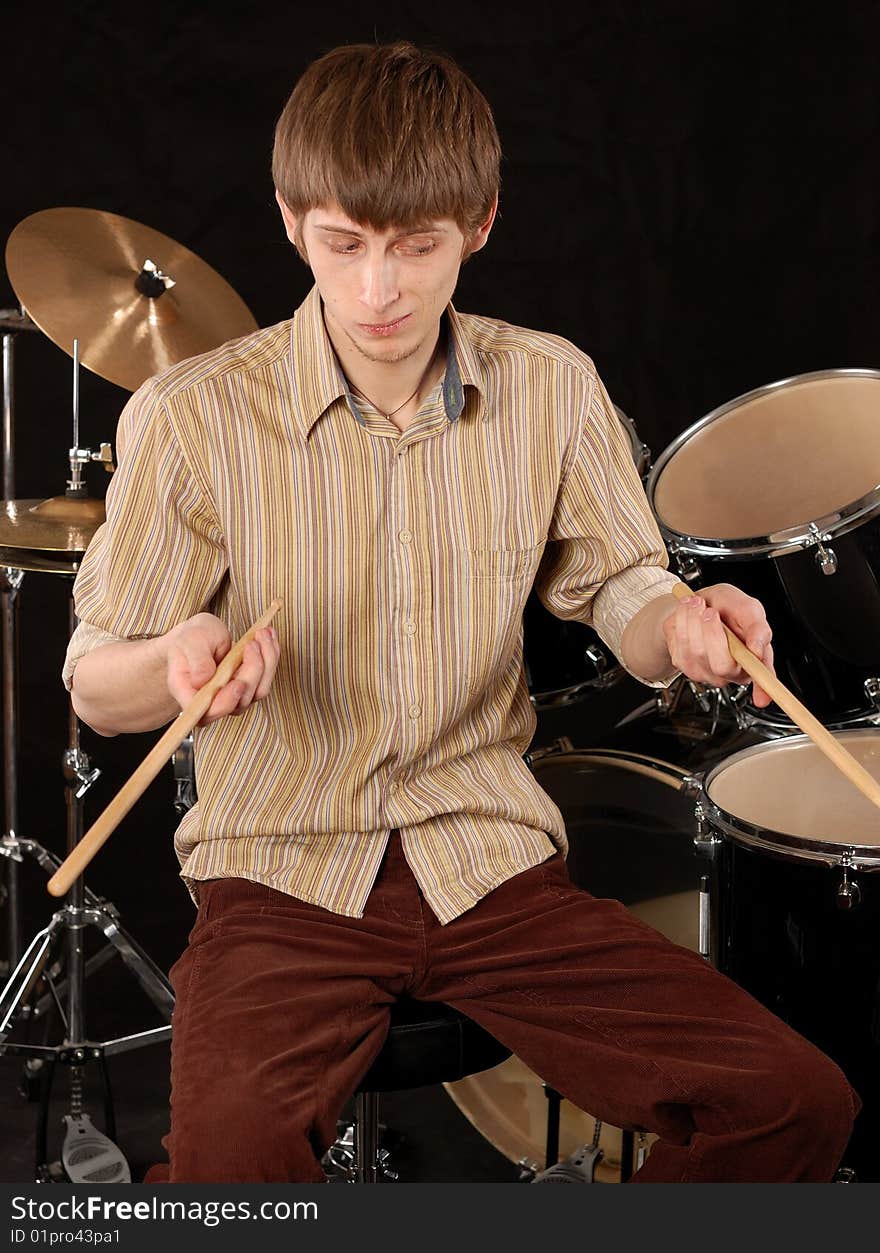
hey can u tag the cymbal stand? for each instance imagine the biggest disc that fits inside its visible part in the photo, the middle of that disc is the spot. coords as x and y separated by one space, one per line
11 322
87 1156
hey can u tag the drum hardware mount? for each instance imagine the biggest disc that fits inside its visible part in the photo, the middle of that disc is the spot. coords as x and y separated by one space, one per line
706 842
562 744
597 658
872 691
79 457
705 948
826 558
184 776
688 566
711 703
340 1162
848 894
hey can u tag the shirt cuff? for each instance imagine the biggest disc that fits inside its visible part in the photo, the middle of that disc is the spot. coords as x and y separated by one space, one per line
84 639
618 601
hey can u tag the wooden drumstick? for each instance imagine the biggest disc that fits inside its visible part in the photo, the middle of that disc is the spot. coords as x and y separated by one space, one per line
799 714
76 861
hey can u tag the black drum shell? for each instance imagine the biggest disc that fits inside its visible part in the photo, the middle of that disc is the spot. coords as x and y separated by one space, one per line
779 932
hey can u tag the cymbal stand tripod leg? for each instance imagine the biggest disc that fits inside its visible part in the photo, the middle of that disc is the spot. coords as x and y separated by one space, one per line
10 582
87 1154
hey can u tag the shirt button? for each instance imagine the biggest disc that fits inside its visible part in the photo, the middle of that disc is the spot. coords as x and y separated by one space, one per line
393 787
414 711
410 627
405 537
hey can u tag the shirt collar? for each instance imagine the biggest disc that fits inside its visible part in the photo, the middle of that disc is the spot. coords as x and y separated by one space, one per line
317 379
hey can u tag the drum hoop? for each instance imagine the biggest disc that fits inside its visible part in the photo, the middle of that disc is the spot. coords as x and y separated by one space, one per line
781 728
792 539
653 767
793 847
641 453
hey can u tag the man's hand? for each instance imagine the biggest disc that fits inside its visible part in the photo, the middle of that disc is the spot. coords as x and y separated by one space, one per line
197 646
698 646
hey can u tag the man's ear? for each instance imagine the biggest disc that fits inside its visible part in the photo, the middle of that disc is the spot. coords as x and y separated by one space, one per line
481 234
292 226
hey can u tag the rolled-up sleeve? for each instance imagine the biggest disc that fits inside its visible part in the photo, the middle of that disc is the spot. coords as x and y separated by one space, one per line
160 556
605 558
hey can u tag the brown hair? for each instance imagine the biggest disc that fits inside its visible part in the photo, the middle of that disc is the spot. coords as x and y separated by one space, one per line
393 134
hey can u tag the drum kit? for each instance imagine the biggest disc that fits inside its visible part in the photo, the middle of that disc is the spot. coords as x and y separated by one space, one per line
750 847
125 302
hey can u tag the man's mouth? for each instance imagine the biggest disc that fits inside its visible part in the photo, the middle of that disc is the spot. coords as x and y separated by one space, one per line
383 328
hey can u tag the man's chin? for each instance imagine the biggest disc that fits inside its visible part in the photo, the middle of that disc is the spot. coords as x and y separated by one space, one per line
386 354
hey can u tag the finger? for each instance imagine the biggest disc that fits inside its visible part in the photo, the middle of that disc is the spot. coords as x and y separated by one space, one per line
759 695
192 661
748 620
249 674
225 702
268 641
720 663
698 666
680 634
187 673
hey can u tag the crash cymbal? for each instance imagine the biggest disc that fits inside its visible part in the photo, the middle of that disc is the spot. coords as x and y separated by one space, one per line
49 535
136 300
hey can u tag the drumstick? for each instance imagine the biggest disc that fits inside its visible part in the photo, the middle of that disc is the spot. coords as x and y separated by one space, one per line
799 714
76 861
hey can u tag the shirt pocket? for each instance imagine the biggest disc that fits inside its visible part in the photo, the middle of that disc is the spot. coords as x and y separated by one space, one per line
504 563
498 584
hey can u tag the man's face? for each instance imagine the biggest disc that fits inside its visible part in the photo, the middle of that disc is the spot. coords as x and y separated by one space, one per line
383 291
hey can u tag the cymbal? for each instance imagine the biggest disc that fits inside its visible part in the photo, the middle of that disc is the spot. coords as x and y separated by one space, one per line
137 301
47 535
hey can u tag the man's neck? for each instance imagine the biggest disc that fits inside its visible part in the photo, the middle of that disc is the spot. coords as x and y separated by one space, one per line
388 383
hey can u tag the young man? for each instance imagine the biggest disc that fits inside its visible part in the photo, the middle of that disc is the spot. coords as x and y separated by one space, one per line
401 474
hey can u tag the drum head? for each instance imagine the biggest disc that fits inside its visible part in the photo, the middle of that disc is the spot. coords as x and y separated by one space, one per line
630 829
789 787
775 459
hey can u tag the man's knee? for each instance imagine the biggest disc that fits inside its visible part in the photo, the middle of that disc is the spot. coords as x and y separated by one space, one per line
243 1140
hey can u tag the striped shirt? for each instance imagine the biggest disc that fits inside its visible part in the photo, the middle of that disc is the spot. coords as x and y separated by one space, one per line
404 561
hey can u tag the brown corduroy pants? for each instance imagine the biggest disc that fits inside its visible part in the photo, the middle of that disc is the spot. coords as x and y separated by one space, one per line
282 1006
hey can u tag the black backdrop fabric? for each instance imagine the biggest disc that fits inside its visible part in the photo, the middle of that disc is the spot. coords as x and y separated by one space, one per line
689 193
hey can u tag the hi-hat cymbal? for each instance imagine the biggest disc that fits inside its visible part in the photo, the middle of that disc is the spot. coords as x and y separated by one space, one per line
136 300
47 535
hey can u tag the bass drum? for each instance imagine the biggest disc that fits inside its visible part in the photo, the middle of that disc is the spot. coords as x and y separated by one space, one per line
630 821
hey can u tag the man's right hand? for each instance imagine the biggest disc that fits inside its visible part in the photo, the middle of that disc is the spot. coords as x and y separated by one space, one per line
197 646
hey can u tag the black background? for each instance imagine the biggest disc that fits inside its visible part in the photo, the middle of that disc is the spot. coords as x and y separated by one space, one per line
689 193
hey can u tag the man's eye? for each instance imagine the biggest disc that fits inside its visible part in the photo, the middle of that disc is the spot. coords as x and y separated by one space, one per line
351 246
418 250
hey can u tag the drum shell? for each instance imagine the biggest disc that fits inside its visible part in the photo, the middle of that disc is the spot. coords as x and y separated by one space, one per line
826 628
778 931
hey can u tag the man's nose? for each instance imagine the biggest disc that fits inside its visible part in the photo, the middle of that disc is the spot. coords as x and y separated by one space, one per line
380 284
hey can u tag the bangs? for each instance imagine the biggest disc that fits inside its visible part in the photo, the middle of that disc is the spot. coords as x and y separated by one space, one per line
392 135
